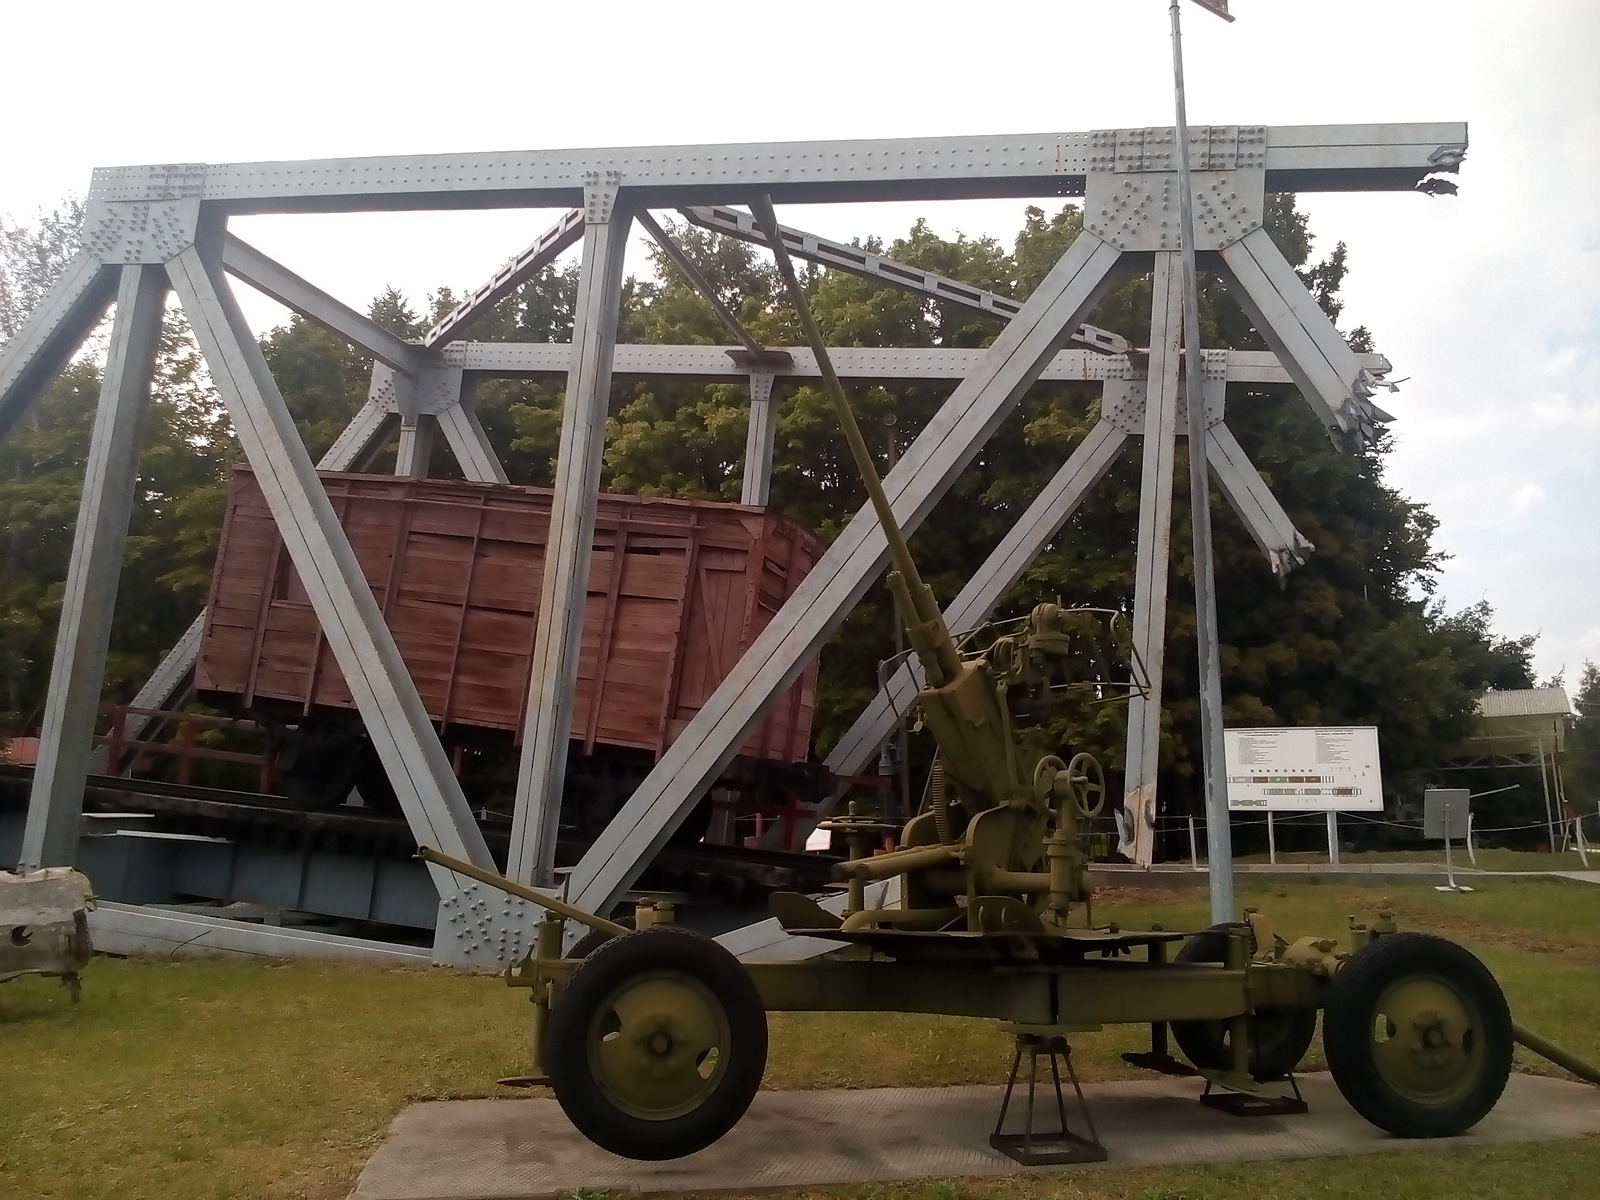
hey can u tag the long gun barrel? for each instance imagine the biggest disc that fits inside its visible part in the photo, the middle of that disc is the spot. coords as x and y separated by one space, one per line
960 701
930 636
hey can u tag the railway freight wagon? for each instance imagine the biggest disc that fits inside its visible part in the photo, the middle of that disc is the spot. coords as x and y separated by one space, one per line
677 590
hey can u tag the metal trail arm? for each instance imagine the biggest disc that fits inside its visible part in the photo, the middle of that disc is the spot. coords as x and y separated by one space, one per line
560 907
1559 1055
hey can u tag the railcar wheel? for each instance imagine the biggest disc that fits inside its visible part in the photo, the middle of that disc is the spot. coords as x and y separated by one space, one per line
1418 1035
657 1043
1279 1037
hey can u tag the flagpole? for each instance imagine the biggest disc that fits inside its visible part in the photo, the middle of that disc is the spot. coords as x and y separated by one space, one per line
1219 834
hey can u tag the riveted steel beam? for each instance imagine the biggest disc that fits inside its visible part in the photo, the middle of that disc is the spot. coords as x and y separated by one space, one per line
543 251
858 363
698 281
1285 547
52 334
558 632
352 624
415 446
1327 372
50 837
1152 556
1305 158
470 444
360 440
244 261
731 222
760 439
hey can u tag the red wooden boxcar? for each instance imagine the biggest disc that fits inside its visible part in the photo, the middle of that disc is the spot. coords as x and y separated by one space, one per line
677 590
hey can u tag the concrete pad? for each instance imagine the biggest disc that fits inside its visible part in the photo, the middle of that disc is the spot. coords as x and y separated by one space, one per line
514 1149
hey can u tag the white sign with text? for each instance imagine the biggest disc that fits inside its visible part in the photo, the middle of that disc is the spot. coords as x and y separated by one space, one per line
1305 769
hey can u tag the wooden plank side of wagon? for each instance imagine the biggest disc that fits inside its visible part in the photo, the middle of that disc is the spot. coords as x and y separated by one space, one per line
677 591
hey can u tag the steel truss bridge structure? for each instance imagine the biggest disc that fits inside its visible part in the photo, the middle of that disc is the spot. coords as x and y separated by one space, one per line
154 229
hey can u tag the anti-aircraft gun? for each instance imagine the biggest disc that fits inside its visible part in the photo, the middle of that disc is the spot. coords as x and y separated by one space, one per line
654 1039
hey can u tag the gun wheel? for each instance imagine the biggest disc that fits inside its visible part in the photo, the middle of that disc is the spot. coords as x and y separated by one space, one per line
656 1044
1279 1037
1417 1035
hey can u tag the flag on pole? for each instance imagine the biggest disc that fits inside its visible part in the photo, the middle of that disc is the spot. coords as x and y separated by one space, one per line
1220 7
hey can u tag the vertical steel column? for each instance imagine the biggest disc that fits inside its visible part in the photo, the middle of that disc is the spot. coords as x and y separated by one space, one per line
1219 833
559 632
50 837
351 621
1154 548
1549 811
415 446
759 440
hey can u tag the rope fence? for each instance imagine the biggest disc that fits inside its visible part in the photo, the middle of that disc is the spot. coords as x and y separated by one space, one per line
1571 830
1320 818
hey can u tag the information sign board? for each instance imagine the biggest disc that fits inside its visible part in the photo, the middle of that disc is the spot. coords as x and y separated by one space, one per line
1304 769
1444 812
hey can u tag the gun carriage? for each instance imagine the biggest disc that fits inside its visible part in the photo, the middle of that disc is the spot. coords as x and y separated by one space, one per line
654 1039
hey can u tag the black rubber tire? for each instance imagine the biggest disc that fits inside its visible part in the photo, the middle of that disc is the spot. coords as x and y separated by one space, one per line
1354 1005
1279 1037
573 1028
593 940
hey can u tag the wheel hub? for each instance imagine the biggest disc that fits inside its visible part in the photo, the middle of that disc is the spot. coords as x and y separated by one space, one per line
658 1044
1424 1042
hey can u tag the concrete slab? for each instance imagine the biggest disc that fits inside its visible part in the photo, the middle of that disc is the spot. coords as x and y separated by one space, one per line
516 1149
141 929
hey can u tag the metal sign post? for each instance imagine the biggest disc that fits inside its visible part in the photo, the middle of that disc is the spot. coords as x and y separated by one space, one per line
1442 810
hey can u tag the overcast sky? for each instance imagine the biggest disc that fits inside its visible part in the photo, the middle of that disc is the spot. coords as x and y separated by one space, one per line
1489 302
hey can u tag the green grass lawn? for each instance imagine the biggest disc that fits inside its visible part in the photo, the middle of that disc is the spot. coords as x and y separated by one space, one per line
1488 859
199 1078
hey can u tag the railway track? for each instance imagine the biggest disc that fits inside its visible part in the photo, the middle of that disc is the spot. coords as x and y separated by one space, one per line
730 875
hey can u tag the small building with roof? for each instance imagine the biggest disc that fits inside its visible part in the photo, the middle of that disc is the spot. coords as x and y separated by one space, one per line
1523 727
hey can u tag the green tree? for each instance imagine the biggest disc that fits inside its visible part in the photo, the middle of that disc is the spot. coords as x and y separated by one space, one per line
31 257
178 499
172 535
